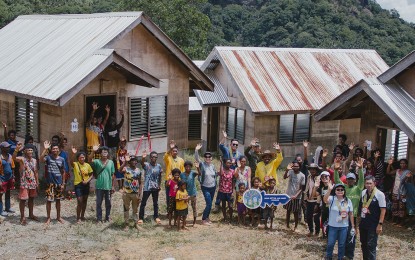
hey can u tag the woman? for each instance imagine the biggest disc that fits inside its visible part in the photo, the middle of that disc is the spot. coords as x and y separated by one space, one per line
242 174
207 180
340 211
82 177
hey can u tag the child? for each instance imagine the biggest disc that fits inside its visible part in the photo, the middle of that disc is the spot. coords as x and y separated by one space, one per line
240 206
255 213
226 187
268 212
181 205
189 177
120 158
173 187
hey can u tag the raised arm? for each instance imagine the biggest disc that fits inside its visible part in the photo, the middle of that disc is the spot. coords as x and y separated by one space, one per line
94 108
337 166
107 115
305 145
19 146
289 167
327 195
350 157
361 181
278 160
143 159
224 136
389 169
45 152
197 148
4 130
365 150
122 119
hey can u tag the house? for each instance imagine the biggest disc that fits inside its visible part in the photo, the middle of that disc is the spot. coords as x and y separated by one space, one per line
385 109
52 67
273 92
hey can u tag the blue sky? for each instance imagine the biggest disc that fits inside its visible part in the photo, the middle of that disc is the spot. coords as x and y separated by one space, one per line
406 8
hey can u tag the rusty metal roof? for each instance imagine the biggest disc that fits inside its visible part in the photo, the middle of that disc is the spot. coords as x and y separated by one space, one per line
289 79
392 98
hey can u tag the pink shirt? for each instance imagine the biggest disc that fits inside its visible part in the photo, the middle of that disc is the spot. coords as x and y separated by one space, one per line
225 181
173 188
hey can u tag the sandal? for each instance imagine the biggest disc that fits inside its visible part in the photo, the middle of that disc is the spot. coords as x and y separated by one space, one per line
140 222
158 221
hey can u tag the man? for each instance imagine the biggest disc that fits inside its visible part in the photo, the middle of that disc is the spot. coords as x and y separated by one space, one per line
59 140
267 169
6 178
304 169
344 147
373 209
296 181
172 161
29 180
11 138
54 181
104 174
253 154
112 134
231 153
353 192
313 219
152 181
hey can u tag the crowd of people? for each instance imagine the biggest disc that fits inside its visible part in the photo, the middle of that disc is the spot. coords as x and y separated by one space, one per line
333 195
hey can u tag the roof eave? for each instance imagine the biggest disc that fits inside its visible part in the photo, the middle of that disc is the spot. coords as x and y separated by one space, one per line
398 67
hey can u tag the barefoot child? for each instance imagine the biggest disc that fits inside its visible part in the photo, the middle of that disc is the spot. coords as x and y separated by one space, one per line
296 181
240 206
268 212
226 187
173 187
181 205
255 213
189 177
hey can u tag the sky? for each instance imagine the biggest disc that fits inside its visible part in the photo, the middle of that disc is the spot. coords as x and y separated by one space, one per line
406 8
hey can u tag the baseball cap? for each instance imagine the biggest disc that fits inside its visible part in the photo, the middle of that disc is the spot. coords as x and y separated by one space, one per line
325 173
351 175
5 144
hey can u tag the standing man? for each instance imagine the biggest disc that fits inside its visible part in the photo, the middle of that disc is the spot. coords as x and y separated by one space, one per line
6 177
54 181
373 209
267 168
253 154
312 218
296 181
29 180
104 174
172 161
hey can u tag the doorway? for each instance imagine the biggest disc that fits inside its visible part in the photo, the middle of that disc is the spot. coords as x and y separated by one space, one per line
102 102
213 129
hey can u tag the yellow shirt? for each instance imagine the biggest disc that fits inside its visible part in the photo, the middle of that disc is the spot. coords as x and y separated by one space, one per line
91 137
180 203
86 171
172 163
269 170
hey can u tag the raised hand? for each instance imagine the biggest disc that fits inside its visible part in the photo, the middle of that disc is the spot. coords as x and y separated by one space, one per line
224 134
337 164
317 182
325 152
95 147
254 141
359 162
276 146
74 150
127 157
4 124
107 108
196 164
19 146
377 154
198 146
290 166
330 185
62 133
144 155
390 160
364 144
305 143
238 163
95 106
46 144
172 144
351 146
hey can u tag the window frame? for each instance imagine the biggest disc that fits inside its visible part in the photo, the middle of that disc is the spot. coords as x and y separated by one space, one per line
234 133
294 132
31 120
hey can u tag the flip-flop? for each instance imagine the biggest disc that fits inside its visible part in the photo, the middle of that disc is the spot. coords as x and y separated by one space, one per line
140 222
158 221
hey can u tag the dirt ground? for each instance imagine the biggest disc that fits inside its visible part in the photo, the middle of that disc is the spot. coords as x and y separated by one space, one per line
219 241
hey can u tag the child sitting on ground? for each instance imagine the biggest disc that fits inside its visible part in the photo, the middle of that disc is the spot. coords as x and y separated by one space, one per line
240 206
173 187
268 211
181 205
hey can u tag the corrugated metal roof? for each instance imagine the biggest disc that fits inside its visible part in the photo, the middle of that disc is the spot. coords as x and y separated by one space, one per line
216 97
289 79
45 56
194 104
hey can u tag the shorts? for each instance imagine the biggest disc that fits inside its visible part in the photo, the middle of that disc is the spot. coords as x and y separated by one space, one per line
112 153
81 190
54 192
225 197
182 212
7 185
241 208
293 205
267 213
193 204
25 194
172 205
119 175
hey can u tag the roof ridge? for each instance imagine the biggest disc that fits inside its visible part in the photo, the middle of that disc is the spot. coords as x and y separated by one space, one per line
288 49
79 16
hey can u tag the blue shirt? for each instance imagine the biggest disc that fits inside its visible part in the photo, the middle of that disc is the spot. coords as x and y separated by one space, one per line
334 212
64 155
227 154
12 146
55 169
190 181
7 168
152 176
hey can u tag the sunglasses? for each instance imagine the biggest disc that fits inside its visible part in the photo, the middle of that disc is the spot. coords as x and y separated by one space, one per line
324 176
208 156
339 189
235 144
154 157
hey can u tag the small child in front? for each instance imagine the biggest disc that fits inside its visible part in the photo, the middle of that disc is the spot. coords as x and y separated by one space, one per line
240 206
268 212
181 205
173 187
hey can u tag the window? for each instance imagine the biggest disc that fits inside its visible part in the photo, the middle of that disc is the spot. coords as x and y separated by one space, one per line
195 125
27 118
235 125
294 128
396 145
148 115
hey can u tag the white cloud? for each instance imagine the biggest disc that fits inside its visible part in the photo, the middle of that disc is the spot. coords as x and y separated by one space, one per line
406 8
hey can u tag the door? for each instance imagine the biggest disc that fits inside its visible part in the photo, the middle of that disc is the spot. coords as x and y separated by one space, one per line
213 129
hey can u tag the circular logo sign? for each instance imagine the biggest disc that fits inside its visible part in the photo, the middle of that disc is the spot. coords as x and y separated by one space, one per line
252 198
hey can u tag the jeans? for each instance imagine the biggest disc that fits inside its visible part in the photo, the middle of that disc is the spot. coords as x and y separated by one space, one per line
312 219
338 234
208 193
101 195
350 243
146 194
369 240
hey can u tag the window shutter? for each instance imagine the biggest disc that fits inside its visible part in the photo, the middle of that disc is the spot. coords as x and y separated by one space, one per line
27 118
138 117
240 125
158 116
286 128
195 126
230 125
302 129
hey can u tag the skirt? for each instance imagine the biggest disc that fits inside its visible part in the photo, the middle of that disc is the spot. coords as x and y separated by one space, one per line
293 205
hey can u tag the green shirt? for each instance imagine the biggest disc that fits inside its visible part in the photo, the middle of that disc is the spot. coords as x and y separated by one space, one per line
353 193
104 179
